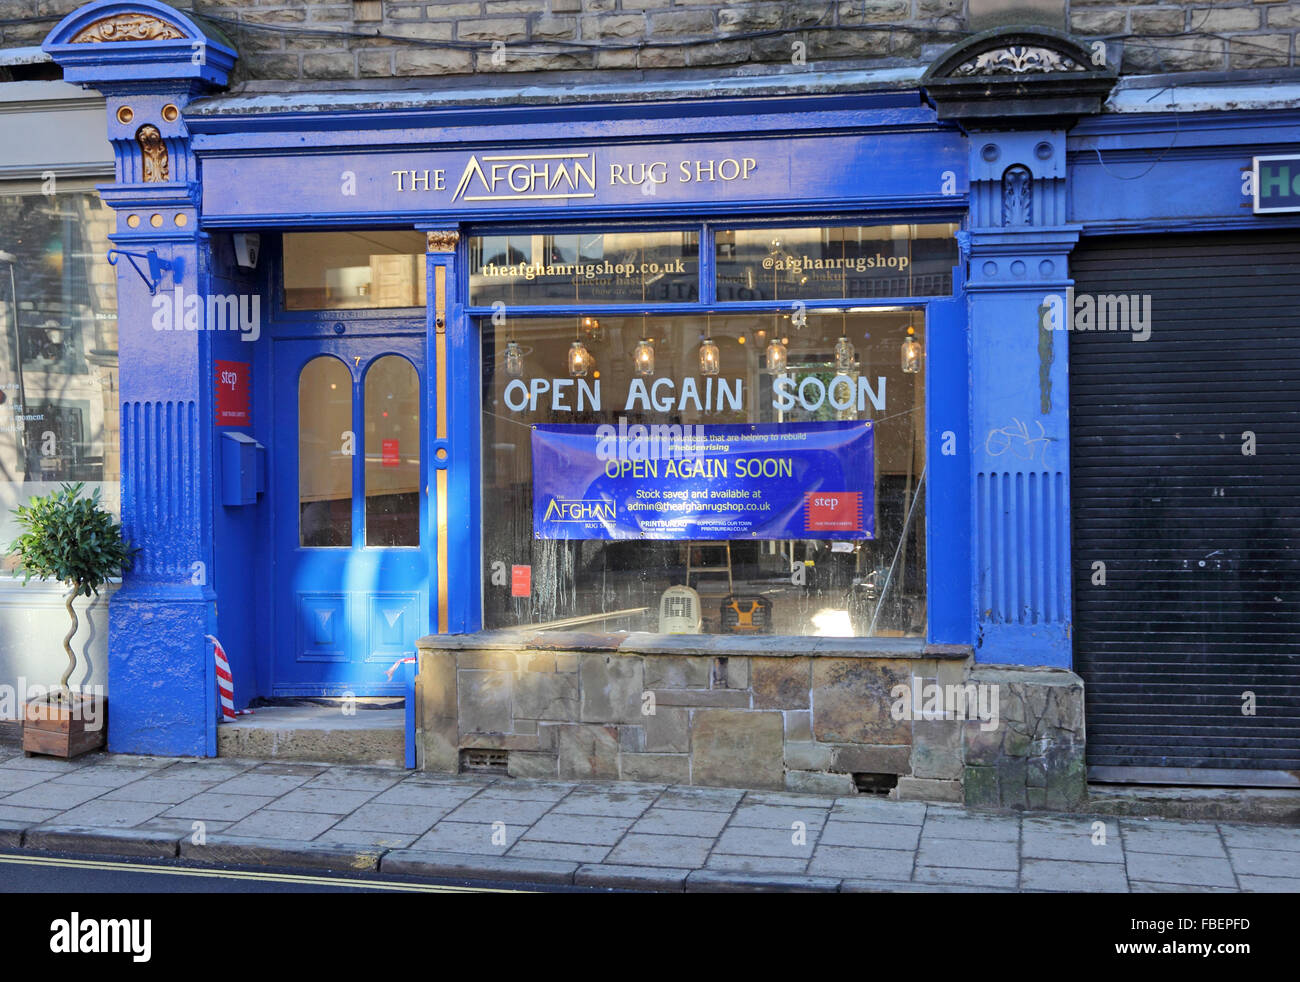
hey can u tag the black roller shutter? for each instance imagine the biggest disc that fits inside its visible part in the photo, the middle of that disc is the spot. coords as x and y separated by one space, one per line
1201 542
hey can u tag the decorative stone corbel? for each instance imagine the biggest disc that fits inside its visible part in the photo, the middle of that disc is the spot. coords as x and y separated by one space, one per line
1032 77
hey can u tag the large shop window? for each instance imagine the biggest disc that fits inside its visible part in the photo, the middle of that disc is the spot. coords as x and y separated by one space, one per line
58 348
755 473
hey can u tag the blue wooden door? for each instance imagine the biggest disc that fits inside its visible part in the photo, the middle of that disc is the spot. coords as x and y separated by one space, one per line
351 522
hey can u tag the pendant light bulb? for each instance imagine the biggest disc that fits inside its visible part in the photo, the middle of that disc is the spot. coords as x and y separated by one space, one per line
776 357
911 353
644 357
591 326
710 357
580 360
514 360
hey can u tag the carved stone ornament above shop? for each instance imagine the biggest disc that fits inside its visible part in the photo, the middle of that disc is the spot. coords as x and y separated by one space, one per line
442 241
128 27
1018 59
1021 77
153 154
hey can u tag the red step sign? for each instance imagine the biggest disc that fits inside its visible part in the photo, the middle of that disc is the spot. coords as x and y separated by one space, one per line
392 455
521 581
234 383
833 511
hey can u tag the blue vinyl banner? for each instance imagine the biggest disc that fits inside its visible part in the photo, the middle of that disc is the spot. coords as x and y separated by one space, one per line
746 481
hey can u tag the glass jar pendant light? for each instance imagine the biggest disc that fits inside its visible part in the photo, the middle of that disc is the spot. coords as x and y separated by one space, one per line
776 357
514 360
775 354
643 356
710 357
580 359
911 353
844 355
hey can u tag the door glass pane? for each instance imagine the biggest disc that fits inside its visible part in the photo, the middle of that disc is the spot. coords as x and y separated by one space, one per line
325 449
392 410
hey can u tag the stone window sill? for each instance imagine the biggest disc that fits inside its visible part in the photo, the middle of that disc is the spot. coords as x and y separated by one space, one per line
712 645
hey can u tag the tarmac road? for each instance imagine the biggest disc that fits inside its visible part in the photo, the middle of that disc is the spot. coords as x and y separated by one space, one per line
55 873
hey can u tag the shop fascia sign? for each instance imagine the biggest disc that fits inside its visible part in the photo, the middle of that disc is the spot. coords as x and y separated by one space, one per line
564 176
386 180
1277 184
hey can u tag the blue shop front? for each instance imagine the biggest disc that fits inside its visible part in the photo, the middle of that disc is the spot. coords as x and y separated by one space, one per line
755 380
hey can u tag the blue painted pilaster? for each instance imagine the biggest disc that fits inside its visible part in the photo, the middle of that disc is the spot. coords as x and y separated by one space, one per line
1018 250
454 380
161 677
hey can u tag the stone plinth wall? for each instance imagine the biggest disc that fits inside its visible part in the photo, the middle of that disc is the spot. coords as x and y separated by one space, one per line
717 711
1035 758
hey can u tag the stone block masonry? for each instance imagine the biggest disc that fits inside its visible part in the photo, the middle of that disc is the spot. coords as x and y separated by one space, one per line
289 41
829 716
1035 759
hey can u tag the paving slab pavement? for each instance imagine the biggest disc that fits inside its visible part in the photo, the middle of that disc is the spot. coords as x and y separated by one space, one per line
617 836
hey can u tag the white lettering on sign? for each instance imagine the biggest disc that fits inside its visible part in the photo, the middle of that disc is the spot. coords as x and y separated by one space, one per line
512 176
812 393
558 176
230 378
703 171
520 395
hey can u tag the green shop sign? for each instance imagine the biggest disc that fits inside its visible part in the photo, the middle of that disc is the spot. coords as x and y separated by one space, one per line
1277 184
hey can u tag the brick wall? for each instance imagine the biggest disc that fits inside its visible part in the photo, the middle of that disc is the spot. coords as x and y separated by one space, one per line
297 39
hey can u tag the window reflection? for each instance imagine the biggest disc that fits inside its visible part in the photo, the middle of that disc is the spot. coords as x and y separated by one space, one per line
58 349
392 416
325 449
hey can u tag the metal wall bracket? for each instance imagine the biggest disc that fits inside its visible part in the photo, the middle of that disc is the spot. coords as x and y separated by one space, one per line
157 266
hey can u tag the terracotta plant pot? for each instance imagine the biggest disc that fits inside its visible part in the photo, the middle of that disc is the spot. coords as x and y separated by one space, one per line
65 725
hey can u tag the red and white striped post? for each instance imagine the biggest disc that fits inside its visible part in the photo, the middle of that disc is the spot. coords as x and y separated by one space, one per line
225 681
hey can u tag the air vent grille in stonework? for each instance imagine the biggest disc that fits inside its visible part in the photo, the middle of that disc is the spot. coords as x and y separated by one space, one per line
483 761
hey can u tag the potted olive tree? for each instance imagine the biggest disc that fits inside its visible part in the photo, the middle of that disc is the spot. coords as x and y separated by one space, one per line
71 539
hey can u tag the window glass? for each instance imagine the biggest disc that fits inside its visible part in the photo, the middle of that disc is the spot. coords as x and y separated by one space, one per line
835 262
392 453
739 516
584 267
325 450
58 349
342 270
